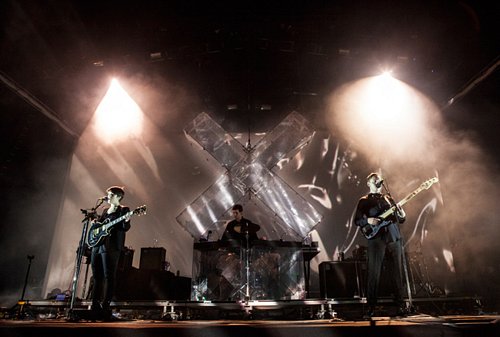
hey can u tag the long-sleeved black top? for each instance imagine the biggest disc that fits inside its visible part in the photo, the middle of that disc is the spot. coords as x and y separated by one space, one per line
372 205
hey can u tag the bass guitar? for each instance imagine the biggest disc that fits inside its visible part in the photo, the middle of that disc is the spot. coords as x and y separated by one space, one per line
369 231
99 230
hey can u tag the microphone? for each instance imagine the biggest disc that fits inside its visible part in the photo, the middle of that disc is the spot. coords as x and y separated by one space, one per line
379 183
105 198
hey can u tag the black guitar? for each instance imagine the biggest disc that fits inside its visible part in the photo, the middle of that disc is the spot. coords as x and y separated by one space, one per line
99 230
369 231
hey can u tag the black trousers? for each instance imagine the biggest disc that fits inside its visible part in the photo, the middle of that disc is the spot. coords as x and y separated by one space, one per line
376 252
104 267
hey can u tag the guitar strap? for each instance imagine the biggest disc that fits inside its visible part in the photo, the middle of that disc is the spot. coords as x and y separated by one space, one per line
389 201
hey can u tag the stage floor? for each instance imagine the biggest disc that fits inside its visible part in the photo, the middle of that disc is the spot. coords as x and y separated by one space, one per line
344 308
415 325
444 316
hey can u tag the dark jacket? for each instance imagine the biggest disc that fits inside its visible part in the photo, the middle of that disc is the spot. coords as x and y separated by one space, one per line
231 234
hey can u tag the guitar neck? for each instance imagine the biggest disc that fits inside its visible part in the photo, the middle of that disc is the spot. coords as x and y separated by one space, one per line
402 202
108 225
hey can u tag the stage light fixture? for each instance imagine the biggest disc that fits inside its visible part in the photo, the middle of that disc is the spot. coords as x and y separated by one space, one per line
117 117
156 56
402 58
344 52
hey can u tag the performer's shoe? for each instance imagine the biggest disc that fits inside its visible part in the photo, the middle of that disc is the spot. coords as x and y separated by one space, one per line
106 312
96 307
369 313
109 317
101 312
403 311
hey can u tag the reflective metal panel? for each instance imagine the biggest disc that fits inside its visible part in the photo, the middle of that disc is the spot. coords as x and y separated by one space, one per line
276 271
283 141
203 214
299 215
215 140
249 173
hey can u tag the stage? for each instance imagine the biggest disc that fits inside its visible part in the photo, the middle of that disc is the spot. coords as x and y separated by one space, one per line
418 325
458 316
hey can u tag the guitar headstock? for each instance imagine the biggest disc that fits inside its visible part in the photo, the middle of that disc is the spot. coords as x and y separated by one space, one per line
140 210
427 184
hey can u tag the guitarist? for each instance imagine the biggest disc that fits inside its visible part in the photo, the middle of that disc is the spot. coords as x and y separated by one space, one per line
388 238
105 256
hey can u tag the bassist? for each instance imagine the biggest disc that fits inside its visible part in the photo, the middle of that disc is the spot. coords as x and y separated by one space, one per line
388 238
105 255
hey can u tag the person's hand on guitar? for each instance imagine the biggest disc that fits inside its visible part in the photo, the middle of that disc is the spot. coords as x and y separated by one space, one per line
400 211
373 221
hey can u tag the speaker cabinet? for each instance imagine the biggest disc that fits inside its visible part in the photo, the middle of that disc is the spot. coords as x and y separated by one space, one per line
146 284
344 279
152 258
348 279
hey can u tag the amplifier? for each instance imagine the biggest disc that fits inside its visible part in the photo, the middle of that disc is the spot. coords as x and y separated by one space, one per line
344 279
347 279
152 258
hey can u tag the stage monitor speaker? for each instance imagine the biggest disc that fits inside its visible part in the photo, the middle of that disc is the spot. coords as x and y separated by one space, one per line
342 279
152 258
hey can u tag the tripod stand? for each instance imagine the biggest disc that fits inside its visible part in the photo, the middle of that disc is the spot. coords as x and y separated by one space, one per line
409 306
245 254
421 279
247 228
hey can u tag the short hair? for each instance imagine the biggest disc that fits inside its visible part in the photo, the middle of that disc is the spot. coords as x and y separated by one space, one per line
117 190
371 175
237 207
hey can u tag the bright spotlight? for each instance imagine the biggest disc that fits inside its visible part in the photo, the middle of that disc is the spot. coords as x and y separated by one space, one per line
386 76
117 117
381 114
385 104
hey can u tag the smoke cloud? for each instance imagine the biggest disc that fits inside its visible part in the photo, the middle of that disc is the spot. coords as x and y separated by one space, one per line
425 147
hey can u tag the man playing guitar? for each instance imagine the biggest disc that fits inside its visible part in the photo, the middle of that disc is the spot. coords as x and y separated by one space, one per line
369 208
106 253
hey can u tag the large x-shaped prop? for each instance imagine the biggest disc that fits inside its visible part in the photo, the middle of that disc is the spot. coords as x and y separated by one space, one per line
249 170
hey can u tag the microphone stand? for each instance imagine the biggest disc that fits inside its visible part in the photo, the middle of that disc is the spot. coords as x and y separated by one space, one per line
30 258
20 313
89 215
247 265
403 254
85 278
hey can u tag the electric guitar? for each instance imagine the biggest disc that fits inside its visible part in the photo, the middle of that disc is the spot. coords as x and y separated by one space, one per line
369 231
99 230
